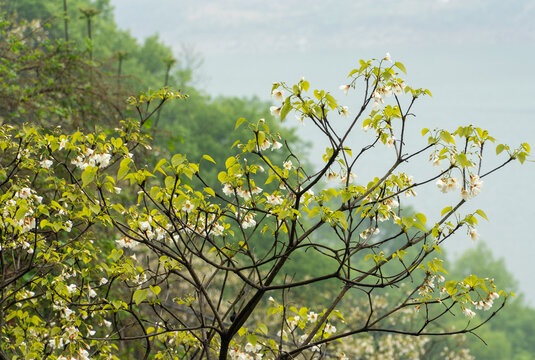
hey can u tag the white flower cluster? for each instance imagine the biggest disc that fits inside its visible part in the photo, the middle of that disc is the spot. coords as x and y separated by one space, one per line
456 354
274 199
391 203
246 194
46 163
487 303
250 352
91 158
26 223
387 90
198 226
474 188
447 185
126 243
427 288
82 355
368 233
342 178
467 312
157 233
266 144
248 220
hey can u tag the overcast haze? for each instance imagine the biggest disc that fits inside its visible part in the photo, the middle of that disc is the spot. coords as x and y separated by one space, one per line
476 56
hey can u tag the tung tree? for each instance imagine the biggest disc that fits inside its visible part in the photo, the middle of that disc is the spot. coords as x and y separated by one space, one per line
102 252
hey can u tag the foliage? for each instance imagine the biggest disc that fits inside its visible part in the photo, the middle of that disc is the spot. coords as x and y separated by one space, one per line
509 336
113 245
50 84
198 268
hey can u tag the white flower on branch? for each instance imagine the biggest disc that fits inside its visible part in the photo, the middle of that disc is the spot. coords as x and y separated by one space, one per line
277 94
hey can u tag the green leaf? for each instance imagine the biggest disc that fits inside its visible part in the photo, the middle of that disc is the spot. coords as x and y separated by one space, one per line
21 212
463 160
401 67
446 136
521 157
263 329
445 210
155 289
139 296
209 191
158 166
115 255
88 175
235 143
331 102
230 161
239 122
177 159
252 339
421 217
285 110
222 177
482 214
123 168
314 212
209 158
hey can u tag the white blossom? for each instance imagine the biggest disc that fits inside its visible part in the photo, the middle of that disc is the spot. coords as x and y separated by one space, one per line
277 94
345 88
126 243
276 145
288 165
68 226
275 111
312 317
46 164
228 189
274 200
71 288
188 206
144 225
248 221
474 235
376 106
467 312
265 144
92 293
24 193
329 329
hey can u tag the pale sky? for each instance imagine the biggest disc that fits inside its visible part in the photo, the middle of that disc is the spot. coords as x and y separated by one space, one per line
476 57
